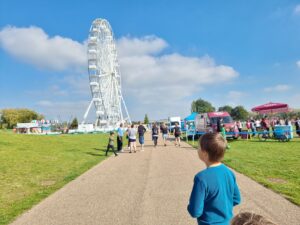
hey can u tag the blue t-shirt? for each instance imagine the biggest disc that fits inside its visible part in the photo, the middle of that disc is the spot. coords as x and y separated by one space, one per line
214 194
120 132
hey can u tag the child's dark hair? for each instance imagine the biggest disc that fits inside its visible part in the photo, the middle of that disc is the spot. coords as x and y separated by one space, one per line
248 218
111 133
214 144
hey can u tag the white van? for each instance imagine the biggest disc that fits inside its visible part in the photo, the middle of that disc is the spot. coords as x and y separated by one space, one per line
172 121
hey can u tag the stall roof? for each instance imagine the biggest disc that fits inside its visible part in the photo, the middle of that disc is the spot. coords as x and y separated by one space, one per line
191 117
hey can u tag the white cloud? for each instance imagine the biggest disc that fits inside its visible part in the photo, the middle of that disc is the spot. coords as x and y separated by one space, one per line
152 80
298 63
140 46
165 79
278 88
32 45
297 9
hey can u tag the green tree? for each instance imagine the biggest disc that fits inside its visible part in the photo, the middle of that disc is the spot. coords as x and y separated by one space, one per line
146 119
239 113
11 117
74 124
225 108
202 106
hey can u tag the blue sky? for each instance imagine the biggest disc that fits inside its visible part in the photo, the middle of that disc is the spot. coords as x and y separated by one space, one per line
226 52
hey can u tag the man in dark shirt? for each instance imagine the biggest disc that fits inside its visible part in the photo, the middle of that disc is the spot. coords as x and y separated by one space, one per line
177 133
141 132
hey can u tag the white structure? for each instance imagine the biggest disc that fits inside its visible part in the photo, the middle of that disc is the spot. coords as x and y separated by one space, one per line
105 77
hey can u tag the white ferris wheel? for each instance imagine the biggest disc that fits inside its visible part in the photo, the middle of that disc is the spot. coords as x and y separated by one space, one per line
105 77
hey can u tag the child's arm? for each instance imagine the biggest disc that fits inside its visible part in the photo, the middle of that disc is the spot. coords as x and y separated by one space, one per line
236 195
196 204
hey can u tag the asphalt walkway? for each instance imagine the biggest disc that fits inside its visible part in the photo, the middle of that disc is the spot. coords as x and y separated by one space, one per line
146 188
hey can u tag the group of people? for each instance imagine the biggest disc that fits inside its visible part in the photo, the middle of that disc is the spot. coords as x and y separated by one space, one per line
264 124
132 133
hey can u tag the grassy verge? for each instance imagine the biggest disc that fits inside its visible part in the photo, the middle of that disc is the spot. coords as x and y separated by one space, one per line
32 167
273 164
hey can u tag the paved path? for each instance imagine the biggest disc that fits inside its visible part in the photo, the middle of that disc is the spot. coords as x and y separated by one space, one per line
146 188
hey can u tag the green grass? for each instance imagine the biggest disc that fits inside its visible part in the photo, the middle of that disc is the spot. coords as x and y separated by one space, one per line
273 164
32 167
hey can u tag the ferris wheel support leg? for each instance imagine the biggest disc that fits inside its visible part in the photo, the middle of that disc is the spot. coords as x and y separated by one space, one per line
87 112
129 120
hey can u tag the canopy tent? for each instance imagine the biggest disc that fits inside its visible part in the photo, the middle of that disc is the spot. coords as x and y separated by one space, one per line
271 107
191 117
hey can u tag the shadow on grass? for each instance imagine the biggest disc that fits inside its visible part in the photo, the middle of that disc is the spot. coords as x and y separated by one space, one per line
96 154
98 149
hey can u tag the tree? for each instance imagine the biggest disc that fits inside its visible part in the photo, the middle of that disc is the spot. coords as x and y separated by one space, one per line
74 124
239 113
11 117
202 106
225 108
146 119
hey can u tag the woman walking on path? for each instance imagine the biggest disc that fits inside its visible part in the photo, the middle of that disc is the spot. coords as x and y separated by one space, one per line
141 131
177 133
155 134
132 138
165 131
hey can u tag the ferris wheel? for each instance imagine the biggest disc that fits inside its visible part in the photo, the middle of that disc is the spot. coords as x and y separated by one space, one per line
105 77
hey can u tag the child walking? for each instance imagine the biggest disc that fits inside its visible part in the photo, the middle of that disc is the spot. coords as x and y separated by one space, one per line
111 143
215 190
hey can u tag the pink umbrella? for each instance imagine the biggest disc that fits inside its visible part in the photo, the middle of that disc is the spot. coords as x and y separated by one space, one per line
271 107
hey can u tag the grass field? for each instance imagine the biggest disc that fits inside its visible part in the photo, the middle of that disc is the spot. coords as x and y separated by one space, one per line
32 167
273 164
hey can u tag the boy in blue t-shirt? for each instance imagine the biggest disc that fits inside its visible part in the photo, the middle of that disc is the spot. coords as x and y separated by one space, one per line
215 190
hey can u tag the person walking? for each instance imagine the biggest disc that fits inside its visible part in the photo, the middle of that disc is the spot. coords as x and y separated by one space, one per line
165 133
141 132
127 137
120 138
177 134
155 132
253 127
239 126
111 144
132 138
297 124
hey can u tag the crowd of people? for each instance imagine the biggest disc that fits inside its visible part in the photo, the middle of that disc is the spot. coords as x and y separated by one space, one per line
133 133
254 126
